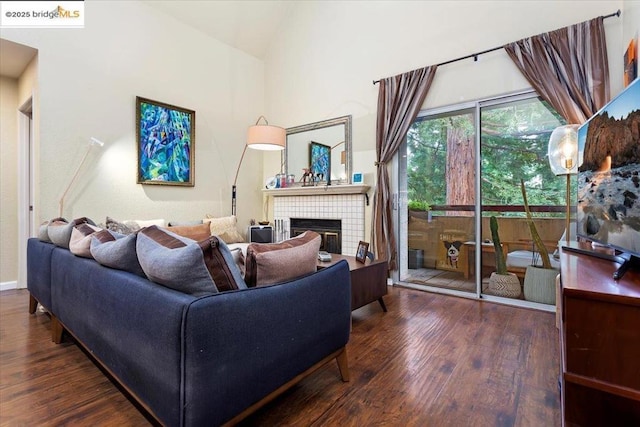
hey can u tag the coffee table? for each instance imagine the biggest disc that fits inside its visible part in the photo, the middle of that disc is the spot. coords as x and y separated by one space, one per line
368 281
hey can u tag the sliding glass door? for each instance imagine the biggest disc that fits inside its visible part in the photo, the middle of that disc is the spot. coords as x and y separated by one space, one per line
460 166
439 189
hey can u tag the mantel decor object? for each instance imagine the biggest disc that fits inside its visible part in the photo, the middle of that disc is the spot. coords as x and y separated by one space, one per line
165 136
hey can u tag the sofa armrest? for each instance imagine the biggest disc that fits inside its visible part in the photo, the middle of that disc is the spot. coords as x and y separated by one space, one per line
240 346
130 325
39 273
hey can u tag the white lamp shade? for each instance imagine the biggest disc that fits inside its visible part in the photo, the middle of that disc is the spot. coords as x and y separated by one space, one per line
266 137
563 150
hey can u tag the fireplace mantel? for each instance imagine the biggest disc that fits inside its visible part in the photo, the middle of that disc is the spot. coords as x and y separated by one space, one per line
321 190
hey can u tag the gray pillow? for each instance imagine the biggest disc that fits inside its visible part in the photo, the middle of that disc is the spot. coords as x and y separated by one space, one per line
59 230
121 227
43 234
117 251
197 268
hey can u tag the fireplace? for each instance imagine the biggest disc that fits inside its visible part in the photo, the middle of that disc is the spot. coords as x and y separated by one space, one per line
330 231
349 208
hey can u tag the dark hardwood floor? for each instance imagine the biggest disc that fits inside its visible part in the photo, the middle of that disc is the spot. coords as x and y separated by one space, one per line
431 360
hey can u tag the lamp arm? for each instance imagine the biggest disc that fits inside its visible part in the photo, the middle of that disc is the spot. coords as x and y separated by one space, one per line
235 180
75 175
239 164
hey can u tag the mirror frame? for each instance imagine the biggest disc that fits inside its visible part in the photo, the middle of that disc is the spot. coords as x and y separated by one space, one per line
343 120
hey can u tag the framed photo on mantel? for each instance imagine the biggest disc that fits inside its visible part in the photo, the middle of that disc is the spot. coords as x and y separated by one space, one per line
165 138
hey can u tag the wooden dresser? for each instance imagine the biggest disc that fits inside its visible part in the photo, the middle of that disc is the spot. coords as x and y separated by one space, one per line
599 342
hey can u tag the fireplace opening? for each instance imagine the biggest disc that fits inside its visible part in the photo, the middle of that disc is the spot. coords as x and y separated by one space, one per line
330 231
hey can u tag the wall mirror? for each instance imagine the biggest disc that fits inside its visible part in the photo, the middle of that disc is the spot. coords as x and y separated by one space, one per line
334 135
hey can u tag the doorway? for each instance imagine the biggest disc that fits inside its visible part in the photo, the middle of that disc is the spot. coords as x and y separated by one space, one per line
26 219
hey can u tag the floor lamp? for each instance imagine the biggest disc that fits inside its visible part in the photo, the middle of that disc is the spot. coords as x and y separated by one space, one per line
92 143
563 160
259 137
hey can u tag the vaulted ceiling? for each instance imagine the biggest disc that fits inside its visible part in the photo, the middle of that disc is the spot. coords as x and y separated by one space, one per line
248 25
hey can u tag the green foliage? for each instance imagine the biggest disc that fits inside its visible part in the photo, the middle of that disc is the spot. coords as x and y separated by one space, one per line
419 205
426 155
514 138
501 265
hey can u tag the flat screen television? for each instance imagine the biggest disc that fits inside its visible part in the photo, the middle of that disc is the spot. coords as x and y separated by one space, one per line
608 202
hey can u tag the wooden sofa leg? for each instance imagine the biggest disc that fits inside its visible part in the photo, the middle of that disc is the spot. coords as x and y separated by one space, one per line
33 304
343 365
56 330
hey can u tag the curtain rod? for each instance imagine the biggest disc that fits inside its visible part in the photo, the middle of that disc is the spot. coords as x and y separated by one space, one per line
475 55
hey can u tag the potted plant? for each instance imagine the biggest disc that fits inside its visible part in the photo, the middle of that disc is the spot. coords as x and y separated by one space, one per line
539 281
501 283
420 206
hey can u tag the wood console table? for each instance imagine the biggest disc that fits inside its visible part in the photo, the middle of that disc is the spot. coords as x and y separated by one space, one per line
599 343
368 281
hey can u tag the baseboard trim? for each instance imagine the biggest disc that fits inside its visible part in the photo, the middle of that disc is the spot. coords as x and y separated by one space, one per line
5 286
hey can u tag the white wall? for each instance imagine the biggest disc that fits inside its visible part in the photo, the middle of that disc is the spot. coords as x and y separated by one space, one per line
324 61
8 178
87 83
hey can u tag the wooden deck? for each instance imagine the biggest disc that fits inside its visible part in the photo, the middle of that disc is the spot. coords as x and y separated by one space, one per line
431 360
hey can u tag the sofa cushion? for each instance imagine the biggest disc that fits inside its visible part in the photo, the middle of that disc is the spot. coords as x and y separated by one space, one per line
80 241
117 251
197 268
193 232
59 230
142 223
225 228
269 263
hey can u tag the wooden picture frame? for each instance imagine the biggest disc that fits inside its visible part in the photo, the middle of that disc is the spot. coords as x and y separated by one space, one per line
361 253
165 139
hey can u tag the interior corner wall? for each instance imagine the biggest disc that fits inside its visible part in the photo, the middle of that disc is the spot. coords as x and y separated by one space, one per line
88 80
324 60
8 178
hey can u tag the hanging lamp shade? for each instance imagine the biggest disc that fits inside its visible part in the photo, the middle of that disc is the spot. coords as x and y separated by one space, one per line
266 137
563 150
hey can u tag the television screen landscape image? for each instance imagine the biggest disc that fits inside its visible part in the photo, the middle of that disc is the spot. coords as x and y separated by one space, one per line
608 205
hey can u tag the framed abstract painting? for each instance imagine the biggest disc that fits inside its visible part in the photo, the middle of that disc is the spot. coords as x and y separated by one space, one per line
320 160
165 137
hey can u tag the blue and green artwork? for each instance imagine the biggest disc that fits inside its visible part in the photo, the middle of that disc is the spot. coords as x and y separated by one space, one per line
165 143
320 160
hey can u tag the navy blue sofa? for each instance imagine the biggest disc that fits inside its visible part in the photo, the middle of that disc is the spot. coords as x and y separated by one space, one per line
194 361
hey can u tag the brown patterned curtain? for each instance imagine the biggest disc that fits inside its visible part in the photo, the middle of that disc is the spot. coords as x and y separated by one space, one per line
567 67
399 101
